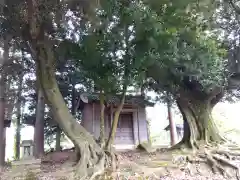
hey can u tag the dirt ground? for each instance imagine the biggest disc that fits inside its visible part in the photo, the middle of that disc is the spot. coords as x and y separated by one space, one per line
133 165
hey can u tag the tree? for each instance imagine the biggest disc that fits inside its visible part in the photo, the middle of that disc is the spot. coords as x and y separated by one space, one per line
67 78
19 113
191 67
107 56
2 101
97 66
187 61
39 125
94 59
42 49
14 100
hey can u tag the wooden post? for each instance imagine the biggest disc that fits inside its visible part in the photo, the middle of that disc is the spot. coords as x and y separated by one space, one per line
39 125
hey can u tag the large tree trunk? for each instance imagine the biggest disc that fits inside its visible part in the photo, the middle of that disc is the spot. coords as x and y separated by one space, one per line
112 134
102 127
39 126
19 115
3 83
199 126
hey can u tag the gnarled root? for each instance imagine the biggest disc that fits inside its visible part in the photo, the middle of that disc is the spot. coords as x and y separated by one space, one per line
220 159
93 162
218 163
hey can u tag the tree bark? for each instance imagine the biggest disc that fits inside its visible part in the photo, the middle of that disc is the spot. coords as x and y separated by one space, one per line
3 83
93 159
112 134
173 132
19 115
199 126
39 126
58 139
92 156
102 121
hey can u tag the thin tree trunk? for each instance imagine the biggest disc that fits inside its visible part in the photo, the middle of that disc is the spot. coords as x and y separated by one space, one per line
39 126
199 126
73 108
173 132
58 139
112 134
102 127
19 114
3 83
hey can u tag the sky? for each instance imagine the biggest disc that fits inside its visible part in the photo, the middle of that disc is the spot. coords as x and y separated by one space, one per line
158 116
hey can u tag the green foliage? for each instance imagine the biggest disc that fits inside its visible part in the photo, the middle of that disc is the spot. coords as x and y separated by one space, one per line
177 46
106 53
169 42
166 39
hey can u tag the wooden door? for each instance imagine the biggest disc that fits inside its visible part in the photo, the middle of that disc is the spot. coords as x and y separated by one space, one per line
124 133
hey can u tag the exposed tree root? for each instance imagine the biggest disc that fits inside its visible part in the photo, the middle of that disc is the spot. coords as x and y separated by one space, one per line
219 163
219 160
93 163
